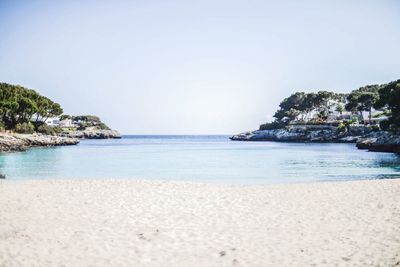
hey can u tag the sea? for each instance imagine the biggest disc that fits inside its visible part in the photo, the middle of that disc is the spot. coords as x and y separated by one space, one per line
200 158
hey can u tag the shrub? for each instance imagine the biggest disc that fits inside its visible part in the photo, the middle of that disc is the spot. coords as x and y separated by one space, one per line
24 128
65 117
83 126
353 121
272 125
102 126
315 122
86 118
384 125
342 127
46 129
57 129
375 128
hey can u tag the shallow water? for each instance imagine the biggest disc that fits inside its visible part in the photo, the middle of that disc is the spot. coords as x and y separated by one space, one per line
200 158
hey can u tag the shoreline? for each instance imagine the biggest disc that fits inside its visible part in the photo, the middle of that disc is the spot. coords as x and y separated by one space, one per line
363 137
160 223
11 142
14 142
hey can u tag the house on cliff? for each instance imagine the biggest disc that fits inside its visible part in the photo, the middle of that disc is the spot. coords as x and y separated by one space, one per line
53 121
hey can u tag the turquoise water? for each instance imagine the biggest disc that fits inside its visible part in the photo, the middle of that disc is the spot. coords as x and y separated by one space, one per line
200 158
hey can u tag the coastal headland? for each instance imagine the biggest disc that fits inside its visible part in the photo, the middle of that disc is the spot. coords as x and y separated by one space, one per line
20 142
368 116
29 119
362 136
155 223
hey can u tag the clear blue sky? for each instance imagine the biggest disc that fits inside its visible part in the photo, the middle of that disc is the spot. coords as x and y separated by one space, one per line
194 67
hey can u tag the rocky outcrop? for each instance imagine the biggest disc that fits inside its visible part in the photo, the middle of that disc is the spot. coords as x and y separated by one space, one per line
305 133
380 142
92 134
21 142
363 136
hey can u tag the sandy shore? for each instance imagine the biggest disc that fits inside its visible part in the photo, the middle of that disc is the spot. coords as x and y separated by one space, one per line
144 223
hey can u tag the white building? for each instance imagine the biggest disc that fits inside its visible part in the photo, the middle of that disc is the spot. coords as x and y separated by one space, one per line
67 123
53 121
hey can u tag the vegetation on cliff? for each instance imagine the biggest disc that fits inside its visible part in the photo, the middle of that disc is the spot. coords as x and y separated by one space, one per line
319 108
389 100
24 109
363 99
84 122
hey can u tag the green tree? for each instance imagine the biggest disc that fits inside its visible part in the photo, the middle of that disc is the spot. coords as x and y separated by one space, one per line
290 107
363 99
389 98
20 105
339 108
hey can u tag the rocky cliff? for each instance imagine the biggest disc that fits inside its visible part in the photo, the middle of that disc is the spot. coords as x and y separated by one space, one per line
92 134
363 136
305 133
380 142
20 142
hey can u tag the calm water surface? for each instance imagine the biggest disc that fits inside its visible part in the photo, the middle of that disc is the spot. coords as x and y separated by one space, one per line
200 158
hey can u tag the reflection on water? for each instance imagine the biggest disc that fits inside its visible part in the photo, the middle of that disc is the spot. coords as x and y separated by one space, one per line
200 158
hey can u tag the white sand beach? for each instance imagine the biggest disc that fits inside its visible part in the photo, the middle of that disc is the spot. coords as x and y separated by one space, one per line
153 223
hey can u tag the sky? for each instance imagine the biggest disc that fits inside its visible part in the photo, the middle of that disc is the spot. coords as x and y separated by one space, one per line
194 67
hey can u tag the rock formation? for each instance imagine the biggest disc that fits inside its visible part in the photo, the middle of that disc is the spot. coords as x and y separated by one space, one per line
20 142
305 133
363 136
380 142
92 134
